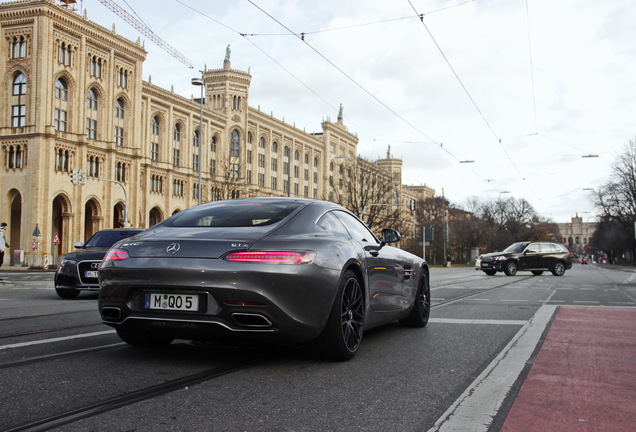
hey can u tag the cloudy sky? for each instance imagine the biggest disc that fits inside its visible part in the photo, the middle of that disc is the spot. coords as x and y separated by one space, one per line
523 89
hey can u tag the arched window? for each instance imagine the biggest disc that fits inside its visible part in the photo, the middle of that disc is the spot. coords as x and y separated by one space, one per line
64 55
195 138
18 49
96 67
18 102
61 89
235 144
19 84
154 140
92 103
176 132
92 99
120 108
261 142
274 147
120 114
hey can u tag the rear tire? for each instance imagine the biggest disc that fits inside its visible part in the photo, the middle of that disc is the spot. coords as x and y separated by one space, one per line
558 269
342 335
142 338
510 268
490 272
421 307
67 293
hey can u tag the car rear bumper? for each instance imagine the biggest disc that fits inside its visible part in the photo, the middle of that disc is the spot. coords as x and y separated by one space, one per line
286 302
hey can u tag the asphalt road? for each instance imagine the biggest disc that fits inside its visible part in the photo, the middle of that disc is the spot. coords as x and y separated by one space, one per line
61 369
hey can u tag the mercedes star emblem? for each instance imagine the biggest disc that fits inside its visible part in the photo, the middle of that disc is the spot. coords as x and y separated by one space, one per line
173 248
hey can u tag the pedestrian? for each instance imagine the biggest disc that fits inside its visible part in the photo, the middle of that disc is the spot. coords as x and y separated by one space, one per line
3 241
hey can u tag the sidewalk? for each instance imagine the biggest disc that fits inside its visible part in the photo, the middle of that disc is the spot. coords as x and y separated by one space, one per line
584 377
6 268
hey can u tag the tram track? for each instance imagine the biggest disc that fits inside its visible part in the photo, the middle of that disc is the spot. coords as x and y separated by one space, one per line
108 404
476 293
148 392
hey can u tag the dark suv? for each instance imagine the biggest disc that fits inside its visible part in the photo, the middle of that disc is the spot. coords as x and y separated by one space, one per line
78 270
534 256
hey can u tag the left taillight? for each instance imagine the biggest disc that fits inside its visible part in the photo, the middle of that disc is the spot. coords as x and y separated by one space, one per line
116 255
272 257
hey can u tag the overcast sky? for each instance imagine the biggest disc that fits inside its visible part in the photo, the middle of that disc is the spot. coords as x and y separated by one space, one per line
523 88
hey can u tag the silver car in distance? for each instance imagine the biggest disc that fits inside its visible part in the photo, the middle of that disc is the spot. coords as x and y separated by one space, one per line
278 270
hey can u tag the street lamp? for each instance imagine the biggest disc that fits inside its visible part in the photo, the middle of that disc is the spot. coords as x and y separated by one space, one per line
199 82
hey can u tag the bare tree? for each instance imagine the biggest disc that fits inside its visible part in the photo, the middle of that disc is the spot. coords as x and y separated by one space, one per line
616 201
367 191
229 184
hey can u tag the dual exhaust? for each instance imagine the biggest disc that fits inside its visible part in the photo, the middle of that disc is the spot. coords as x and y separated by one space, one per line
252 320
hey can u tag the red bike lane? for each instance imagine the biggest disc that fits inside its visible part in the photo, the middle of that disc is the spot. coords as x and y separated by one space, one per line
584 377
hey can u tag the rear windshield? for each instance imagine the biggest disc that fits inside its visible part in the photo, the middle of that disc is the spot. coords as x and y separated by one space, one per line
227 214
105 239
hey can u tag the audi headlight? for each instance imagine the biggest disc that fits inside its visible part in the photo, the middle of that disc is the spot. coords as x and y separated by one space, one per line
68 262
500 258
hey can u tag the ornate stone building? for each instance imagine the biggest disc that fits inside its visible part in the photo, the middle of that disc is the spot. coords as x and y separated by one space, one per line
577 234
74 99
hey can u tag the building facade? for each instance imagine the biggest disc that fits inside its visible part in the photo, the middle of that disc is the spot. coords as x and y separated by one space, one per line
577 234
74 104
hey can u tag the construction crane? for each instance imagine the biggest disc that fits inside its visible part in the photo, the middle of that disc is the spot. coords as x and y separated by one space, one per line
143 29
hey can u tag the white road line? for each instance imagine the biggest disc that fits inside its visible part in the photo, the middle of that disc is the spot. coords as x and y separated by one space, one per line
476 408
58 339
476 321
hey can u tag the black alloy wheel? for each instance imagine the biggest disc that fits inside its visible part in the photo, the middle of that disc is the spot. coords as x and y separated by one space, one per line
342 335
558 269
510 268
421 306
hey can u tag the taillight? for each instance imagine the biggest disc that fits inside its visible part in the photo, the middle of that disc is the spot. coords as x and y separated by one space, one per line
116 255
272 257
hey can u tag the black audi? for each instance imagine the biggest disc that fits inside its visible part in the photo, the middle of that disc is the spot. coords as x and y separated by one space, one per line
278 270
77 270
536 257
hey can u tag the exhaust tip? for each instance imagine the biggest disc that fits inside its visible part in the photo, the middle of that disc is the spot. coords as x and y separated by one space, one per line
111 313
251 320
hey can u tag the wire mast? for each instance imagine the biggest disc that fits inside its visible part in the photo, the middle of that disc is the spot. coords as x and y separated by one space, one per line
143 29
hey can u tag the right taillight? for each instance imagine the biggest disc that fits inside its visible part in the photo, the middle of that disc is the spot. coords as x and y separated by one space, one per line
116 255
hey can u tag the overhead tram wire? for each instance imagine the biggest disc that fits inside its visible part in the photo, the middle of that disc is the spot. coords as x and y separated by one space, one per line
354 81
356 25
244 35
432 141
534 99
421 16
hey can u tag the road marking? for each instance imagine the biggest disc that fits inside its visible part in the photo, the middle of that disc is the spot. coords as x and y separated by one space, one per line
58 339
476 321
476 408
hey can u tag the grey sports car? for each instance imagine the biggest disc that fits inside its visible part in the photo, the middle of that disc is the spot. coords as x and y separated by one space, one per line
273 269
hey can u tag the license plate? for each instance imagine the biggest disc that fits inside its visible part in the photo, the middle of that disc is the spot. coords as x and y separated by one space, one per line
182 302
485 264
91 274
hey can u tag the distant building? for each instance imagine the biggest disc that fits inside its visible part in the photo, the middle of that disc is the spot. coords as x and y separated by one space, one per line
577 234
74 99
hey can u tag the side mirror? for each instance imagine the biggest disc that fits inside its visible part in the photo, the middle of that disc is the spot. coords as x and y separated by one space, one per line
390 236
78 245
